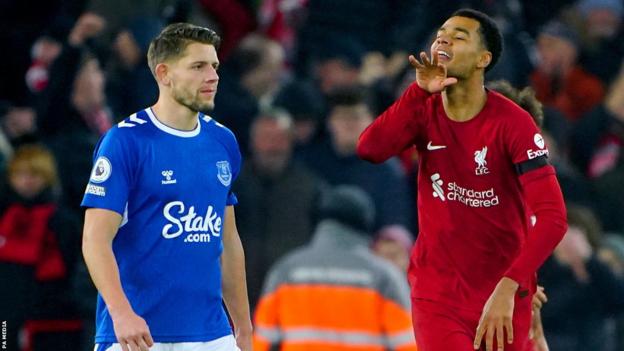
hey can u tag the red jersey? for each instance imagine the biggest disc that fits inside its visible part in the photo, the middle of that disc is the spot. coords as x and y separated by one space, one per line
471 208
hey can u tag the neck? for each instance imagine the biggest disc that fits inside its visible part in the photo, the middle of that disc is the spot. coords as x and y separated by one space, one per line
171 113
465 99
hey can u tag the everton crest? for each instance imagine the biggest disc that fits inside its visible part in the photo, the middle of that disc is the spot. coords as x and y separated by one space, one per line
224 173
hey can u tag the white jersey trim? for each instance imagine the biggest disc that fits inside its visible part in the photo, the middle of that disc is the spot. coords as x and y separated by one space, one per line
173 131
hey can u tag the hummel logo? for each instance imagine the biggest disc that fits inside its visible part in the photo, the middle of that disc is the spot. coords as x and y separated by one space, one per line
168 174
435 147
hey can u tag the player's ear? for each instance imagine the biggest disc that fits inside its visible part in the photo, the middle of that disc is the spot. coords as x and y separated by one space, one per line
162 74
484 59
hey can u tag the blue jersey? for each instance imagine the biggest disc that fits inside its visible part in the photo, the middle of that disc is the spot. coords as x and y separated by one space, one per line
171 187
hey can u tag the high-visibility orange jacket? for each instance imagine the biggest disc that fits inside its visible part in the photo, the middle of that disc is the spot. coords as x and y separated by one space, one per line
334 295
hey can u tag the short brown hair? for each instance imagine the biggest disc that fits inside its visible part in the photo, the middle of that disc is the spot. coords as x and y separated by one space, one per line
36 159
174 39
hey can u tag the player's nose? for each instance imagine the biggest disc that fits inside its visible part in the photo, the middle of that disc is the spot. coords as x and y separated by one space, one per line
212 75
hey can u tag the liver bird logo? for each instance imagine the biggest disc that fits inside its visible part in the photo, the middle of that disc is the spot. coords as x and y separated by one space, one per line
479 157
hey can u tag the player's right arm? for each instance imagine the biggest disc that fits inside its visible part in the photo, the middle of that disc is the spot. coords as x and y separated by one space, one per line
401 124
100 228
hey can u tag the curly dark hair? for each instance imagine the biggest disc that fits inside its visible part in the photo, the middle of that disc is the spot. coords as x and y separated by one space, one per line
490 35
174 39
524 98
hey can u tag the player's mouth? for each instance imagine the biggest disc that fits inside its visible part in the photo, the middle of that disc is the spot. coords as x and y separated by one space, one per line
208 91
444 56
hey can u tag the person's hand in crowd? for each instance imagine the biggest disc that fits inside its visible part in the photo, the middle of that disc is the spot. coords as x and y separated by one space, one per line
536 333
573 251
539 298
614 101
87 26
373 68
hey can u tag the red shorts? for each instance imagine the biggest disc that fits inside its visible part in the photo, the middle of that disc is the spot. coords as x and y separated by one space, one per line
439 327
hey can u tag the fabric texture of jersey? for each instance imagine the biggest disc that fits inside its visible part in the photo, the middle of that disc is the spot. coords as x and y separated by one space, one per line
171 187
335 295
472 214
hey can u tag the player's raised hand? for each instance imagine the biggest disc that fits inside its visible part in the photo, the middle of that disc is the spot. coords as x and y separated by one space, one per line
431 74
497 317
132 332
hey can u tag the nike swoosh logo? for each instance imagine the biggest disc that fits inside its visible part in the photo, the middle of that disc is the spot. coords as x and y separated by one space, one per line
435 147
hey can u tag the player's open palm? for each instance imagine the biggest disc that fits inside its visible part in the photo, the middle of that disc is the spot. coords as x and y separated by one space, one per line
496 319
431 74
132 332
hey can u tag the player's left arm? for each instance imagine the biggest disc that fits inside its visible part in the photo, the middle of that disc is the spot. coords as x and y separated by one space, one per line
234 281
543 196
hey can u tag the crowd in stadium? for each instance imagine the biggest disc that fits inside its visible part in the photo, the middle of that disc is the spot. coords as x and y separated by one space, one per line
299 80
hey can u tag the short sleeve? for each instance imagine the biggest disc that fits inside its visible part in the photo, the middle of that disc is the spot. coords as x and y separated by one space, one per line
236 161
111 177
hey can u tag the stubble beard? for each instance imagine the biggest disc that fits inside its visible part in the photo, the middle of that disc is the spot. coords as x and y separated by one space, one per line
192 102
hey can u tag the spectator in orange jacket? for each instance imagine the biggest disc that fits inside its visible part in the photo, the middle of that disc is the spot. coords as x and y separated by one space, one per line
558 80
335 294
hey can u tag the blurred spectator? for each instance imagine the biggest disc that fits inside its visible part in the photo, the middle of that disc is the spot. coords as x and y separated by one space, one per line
612 253
338 64
598 138
373 25
17 123
394 243
603 47
609 197
336 162
583 292
574 186
234 19
558 80
306 106
276 195
249 81
118 13
23 22
72 110
74 97
280 20
39 246
131 85
44 51
335 293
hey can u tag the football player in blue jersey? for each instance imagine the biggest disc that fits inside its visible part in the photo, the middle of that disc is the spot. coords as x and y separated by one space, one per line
160 238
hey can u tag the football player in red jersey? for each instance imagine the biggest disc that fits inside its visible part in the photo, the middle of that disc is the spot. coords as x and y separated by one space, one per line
483 169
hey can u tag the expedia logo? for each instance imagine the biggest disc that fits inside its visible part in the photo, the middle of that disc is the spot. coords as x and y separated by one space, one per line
183 220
